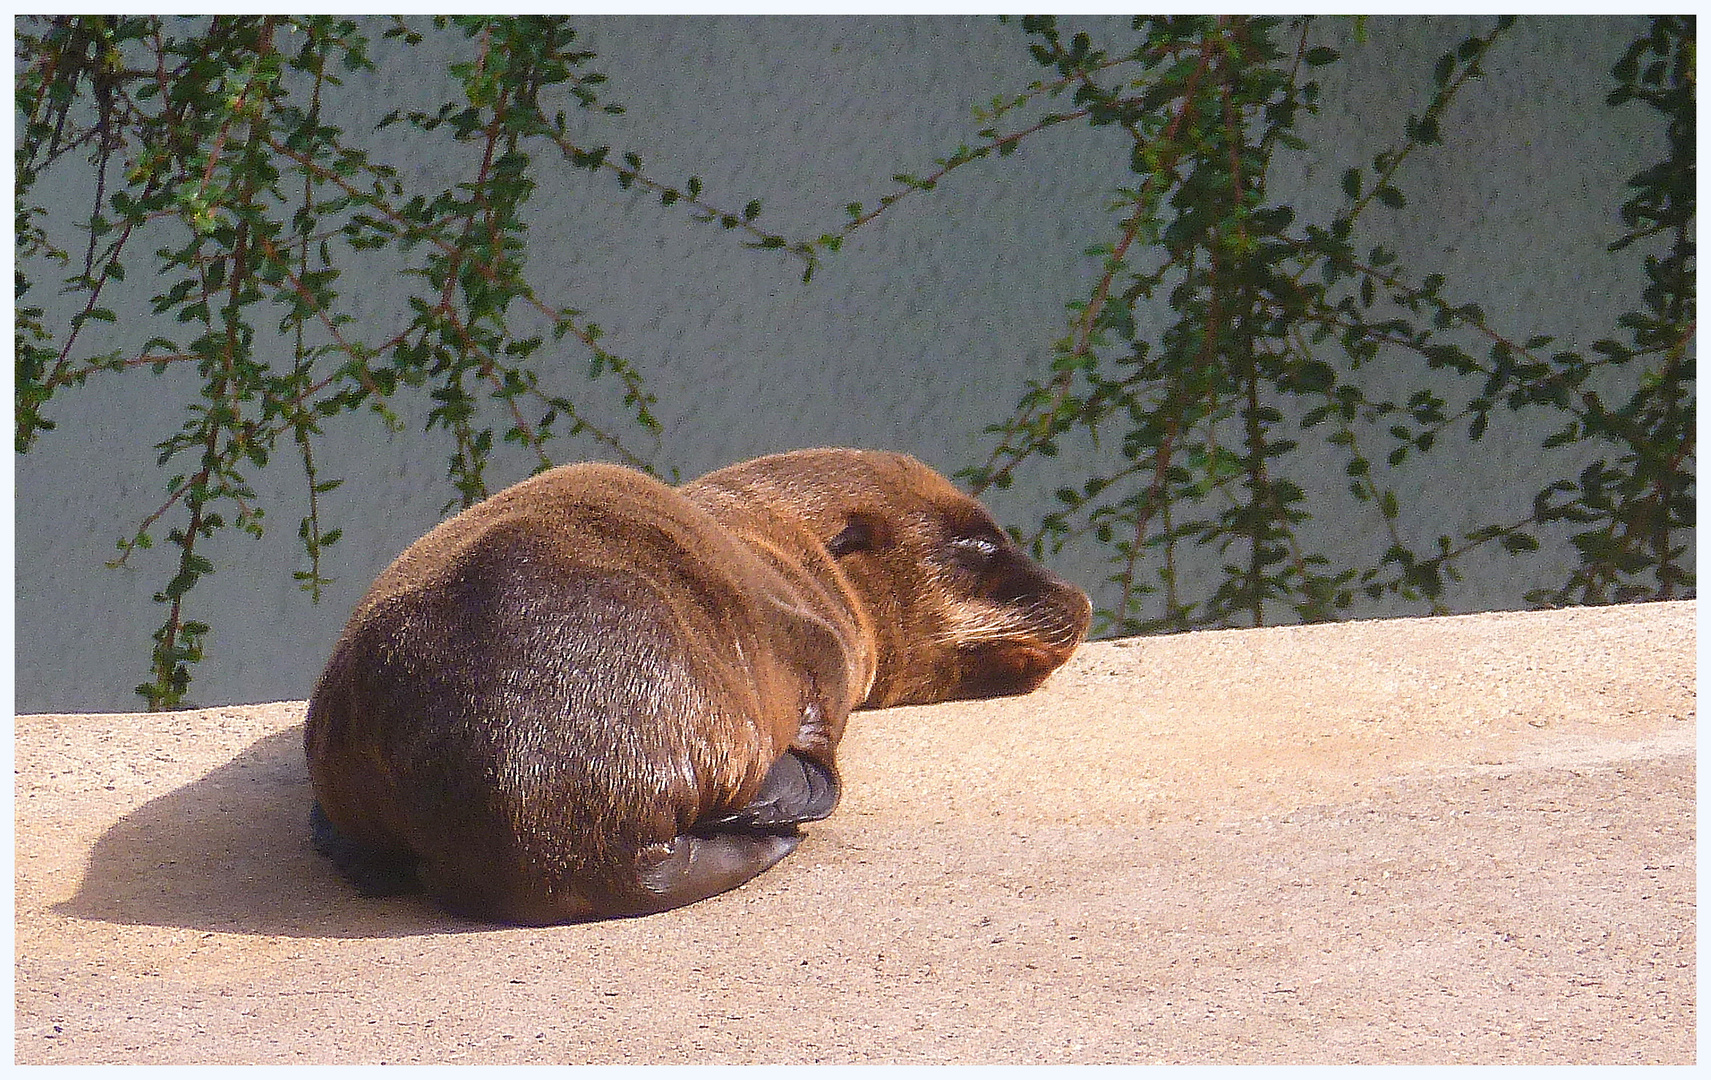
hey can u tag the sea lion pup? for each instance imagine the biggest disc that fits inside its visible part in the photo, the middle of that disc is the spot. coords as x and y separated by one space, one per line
596 695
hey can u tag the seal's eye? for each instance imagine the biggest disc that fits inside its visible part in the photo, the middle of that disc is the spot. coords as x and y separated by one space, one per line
975 552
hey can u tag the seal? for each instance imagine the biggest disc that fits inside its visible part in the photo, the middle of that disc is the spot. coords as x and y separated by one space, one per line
596 695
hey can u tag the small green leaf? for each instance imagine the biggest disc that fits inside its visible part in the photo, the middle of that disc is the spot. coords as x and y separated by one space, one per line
1518 543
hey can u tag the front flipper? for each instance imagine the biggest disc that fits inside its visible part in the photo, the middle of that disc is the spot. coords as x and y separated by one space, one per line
796 789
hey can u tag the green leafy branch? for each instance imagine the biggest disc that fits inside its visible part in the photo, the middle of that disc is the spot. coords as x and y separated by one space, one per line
214 139
1205 412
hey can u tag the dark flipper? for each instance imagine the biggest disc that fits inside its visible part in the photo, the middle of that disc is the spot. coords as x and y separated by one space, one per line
796 789
694 867
373 871
722 853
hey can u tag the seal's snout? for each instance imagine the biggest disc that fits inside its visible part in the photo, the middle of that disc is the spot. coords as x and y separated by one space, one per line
1034 637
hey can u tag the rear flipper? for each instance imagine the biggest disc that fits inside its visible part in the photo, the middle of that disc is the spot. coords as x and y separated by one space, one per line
722 853
664 875
374 872
695 866
796 789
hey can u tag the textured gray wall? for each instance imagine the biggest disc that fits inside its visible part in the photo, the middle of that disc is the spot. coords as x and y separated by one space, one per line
915 337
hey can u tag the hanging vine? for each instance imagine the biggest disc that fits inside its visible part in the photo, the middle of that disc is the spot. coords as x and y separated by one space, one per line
1222 334
1267 327
218 168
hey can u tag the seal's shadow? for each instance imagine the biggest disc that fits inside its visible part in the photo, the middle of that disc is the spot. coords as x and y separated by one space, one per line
230 852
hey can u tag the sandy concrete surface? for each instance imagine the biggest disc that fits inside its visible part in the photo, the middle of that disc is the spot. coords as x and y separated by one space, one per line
1431 840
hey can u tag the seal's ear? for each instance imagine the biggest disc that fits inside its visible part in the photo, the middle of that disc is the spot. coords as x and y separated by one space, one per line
865 532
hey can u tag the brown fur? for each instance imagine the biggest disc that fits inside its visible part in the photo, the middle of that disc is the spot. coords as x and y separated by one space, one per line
593 694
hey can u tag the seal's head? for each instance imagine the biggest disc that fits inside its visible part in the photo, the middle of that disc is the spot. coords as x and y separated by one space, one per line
954 607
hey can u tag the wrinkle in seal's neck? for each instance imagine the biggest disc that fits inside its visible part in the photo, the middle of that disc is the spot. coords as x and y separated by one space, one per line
789 546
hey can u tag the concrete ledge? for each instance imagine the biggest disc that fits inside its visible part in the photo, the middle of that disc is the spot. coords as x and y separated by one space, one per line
1432 840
